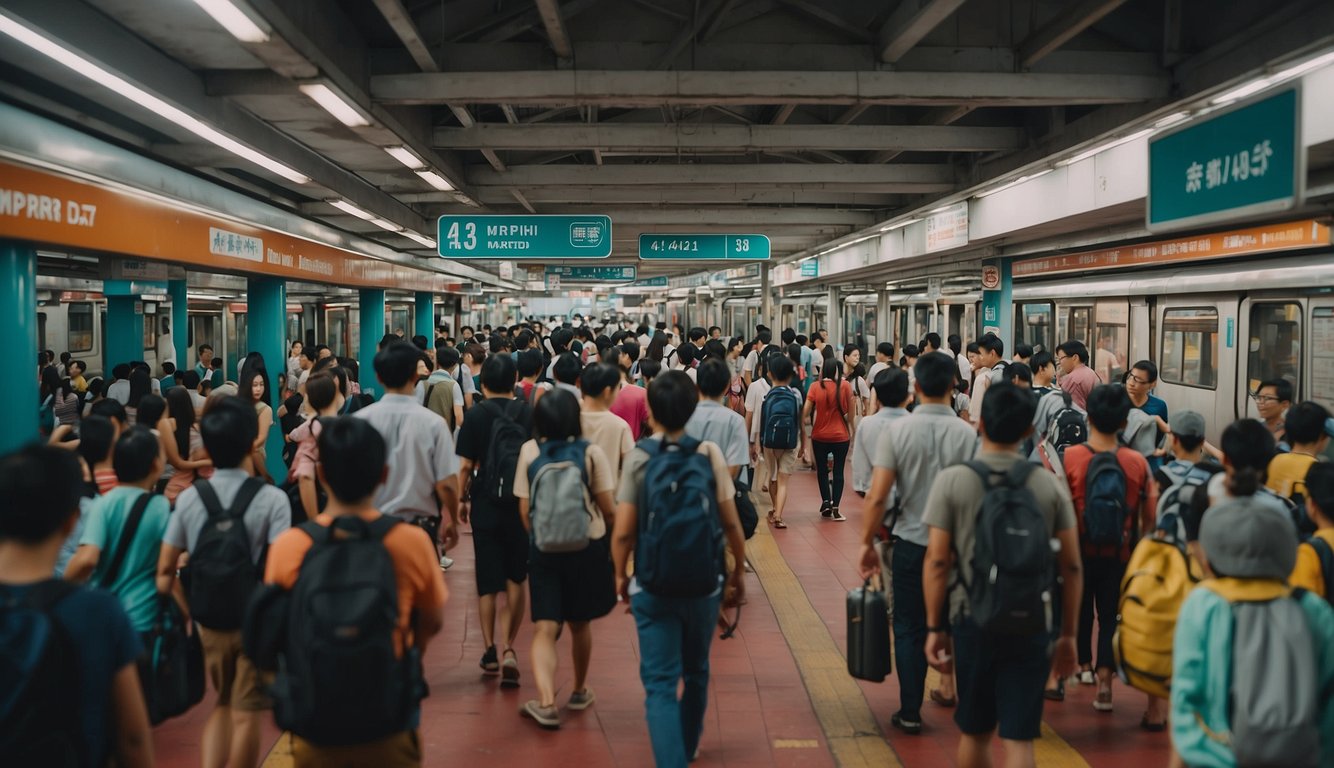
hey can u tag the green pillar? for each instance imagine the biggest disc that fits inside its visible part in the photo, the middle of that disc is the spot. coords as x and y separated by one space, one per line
180 319
265 328
18 345
998 302
372 330
425 316
124 332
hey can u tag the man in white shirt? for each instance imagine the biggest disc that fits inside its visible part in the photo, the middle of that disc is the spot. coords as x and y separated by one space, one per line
991 358
763 337
884 359
891 387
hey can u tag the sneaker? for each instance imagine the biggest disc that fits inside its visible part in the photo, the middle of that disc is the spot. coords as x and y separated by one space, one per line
547 717
825 509
509 670
1086 677
446 562
910 727
581 700
1102 701
836 516
490 664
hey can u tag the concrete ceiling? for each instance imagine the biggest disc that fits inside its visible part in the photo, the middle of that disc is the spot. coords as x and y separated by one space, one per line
802 119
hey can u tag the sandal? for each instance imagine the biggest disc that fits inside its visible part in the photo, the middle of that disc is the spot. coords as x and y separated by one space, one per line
771 518
780 524
942 699
1103 700
1152 727
1055 694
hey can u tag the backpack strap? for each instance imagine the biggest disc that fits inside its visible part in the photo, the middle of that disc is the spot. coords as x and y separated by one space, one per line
126 536
426 399
208 497
1325 553
244 495
380 526
45 595
1069 403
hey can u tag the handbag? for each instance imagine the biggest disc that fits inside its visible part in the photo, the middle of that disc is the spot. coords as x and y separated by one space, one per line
172 674
868 634
745 506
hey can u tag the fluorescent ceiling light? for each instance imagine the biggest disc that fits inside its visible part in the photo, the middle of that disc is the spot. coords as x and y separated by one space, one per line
404 156
1104 147
335 104
1241 92
422 239
143 98
234 20
1172 119
347 207
943 208
808 258
1014 183
385 224
437 181
899 225
1255 86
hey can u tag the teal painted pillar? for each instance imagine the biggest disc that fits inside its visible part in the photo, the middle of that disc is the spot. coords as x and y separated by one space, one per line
998 302
372 330
125 332
18 346
180 319
425 316
266 310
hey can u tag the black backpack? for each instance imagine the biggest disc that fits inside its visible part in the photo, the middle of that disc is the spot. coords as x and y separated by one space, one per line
222 573
1013 564
1068 427
1325 554
495 479
339 679
1105 508
39 681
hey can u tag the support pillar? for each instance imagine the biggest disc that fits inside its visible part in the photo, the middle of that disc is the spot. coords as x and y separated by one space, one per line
180 319
998 302
425 317
124 332
266 329
18 345
835 321
766 301
372 330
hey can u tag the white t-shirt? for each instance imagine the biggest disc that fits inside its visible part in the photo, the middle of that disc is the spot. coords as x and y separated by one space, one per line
875 371
752 360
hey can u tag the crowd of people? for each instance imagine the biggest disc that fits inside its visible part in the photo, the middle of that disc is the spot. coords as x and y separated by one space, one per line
1008 505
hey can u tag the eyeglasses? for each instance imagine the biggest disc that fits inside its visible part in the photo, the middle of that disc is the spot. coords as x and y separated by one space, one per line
1061 358
1264 398
1138 380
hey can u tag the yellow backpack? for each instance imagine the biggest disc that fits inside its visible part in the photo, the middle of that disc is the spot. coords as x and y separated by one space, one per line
1158 578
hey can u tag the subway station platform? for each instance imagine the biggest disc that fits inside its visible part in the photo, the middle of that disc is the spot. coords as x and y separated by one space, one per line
779 692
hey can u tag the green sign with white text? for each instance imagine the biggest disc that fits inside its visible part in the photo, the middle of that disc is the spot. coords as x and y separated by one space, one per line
1244 161
594 274
704 247
524 237
652 282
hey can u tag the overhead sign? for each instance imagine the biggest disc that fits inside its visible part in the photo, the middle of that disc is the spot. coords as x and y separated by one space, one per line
553 281
506 270
947 228
697 247
1288 236
1240 162
810 268
652 282
524 237
594 274
990 277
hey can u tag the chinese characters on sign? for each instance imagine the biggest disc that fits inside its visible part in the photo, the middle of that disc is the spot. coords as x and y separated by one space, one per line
947 228
224 243
1239 167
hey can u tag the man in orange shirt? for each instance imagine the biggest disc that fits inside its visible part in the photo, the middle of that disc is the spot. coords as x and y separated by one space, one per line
352 466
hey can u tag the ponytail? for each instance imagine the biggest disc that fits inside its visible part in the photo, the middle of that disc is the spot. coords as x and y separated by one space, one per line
1245 481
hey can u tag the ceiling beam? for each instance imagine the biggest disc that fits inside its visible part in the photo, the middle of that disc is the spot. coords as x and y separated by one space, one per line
554 24
911 21
728 215
783 113
830 19
728 137
400 20
938 117
697 88
531 18
690 30
886 178
714 194
1074 18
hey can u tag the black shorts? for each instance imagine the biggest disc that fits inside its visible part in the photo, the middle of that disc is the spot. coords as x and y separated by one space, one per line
501 554
572 586
1000 680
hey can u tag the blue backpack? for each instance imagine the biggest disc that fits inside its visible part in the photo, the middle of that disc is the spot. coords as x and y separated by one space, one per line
680 548
1105 499
780 419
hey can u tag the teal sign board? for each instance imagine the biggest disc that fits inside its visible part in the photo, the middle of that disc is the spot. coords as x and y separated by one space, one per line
1244 161
652 282
524 237
704 247
810 268
594 274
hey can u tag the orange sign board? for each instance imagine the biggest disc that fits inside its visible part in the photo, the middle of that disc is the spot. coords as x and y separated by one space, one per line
63 212
1287 236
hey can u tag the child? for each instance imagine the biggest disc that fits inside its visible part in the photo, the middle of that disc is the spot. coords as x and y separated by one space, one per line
780 460
1315 558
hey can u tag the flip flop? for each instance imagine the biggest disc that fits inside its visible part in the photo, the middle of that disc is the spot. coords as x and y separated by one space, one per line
941 699
780 524
1152 727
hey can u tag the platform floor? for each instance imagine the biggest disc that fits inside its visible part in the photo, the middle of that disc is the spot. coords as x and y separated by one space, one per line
779 696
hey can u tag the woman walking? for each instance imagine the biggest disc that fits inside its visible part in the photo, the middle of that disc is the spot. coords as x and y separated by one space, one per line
830 399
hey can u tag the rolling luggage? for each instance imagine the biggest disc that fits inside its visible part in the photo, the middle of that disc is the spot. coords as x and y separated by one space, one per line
868 634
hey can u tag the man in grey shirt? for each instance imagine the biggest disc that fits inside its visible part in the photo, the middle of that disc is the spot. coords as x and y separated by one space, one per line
715 422
891 389
910 453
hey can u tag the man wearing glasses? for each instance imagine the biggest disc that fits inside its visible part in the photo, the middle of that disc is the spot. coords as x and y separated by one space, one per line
1148 417
1272 399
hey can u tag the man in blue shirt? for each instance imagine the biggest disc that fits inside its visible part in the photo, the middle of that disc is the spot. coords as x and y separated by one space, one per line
1144 437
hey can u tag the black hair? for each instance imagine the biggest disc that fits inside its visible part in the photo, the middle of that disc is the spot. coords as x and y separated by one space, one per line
935 373
229 428
141 383
933 339
41 485
190 379
1019 371
788 336
566 368
802 340
321 389
630 349
246 386
1320 487
713 376
713 328
498 374
780 368
529 363
181 408
1305 422
446 357
97 434
1282 389
696 333
891 387
973 347
657 346
560 340
1190 442
793 351
672 398
420 342
51 383
1007 413
1075 348
955 342
714 348
169 368
598 378
1023 351
151 409
396 364
352 455
1150 370
911 350
991 343
1041 360
201 349
1248 446
650 369
885 348
111 409
764 335
388 340
556 416
1108 407
136 451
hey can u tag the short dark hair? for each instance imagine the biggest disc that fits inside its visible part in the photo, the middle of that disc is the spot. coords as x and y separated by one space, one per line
911 350
560 339
1150 370
96 437
885 348
420 342
396 364
713 375
204 347
556 416
598 378
1041 360
1320 486
891 387
933 339
321 389
672 399
446 357
1023 351
120 371
112 409
1248 446
788 336
150 411
764 335
935 373
41 485
352 455
630 349
1108 406
649 368
229 428
1305 422
498 374
1075 348
136 451
781 368
390 339
1007 413
529 363
696 333
168 368
1019 371
991 343
1282 389
566 368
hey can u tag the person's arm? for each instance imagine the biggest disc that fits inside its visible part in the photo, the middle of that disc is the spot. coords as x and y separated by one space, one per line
447 490
426 624
750 437
132 738
168 440
1072 588
167 559
265 423
1148 506
736 542
623 544
524 516
464 485
882 480
83 563
935 591
458 412
310 497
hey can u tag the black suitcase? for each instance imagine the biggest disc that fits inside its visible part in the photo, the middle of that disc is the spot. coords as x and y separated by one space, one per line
868 634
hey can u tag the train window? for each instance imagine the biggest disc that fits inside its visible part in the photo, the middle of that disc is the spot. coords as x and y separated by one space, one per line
80 327
293 328
1111 341
150 331
1072 323
1275 345
41 331
1322 356
1190 347
1033 325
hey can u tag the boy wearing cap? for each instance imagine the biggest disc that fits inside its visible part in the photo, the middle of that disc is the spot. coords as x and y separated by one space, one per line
1310 573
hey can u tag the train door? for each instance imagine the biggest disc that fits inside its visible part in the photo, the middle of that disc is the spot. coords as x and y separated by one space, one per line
204 328
1273 334
1196 358
336 325
1320 360
1033 325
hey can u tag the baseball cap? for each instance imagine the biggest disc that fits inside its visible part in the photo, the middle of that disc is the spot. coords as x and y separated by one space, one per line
1245 538
1187 424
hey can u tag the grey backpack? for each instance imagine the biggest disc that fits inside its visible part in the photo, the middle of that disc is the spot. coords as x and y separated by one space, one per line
558 500
1274 711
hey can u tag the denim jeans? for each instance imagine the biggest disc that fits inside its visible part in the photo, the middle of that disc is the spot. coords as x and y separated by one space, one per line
909 627
674 639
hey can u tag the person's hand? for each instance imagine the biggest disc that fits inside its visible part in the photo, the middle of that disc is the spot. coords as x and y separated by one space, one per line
623 589
868 564
465 513
754 453
449 535
940 652
801 451
1064 659
734 592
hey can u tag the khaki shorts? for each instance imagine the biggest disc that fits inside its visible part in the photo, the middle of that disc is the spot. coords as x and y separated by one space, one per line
786 460
402 750
236 680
